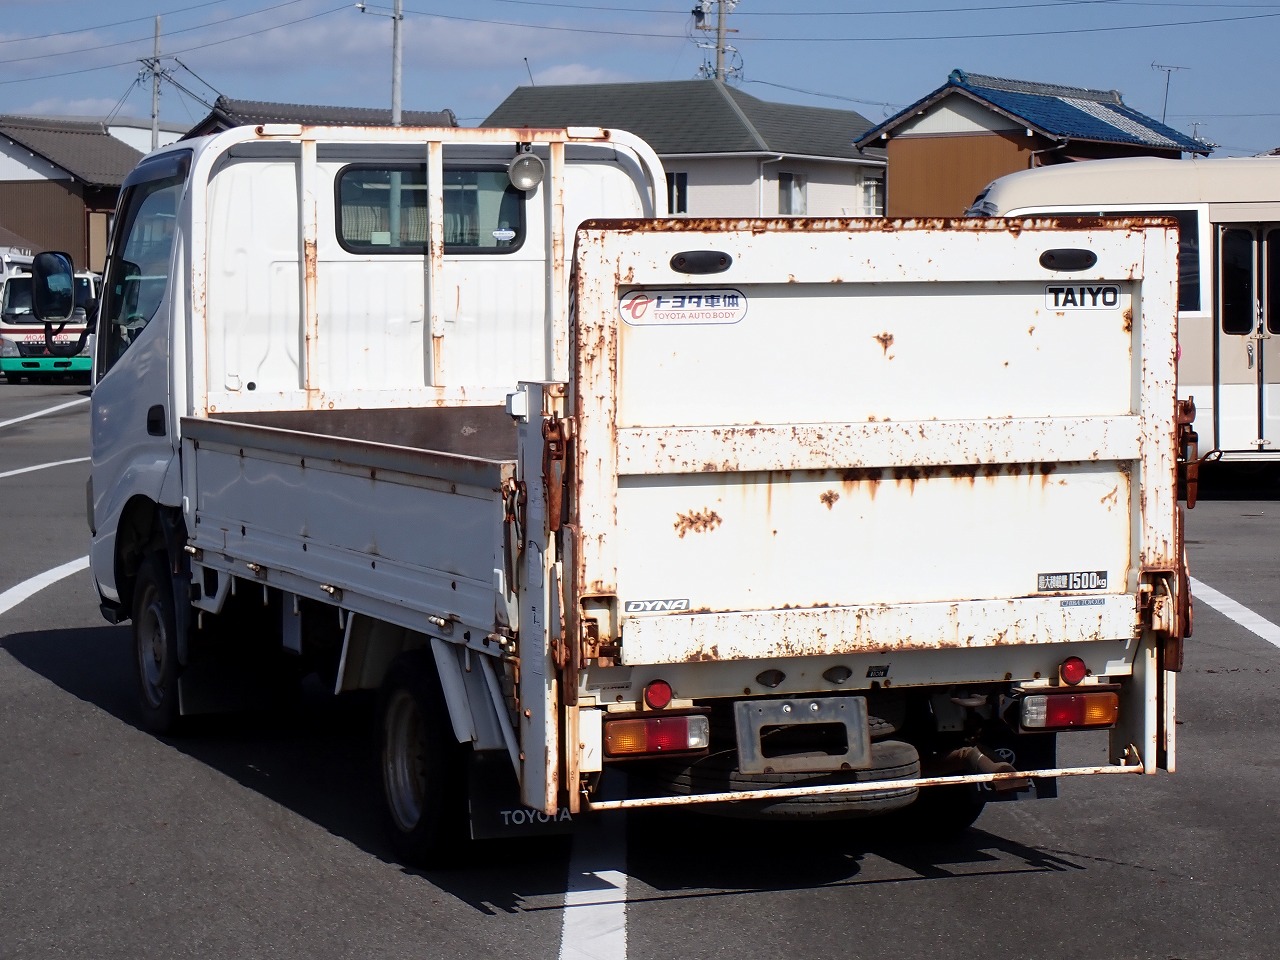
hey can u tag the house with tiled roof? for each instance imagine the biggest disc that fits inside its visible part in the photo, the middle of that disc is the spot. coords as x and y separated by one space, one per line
726 153
948 145
228 113
59 180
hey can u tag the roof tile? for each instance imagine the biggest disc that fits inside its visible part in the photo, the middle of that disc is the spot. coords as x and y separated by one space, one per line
1057 111
85 149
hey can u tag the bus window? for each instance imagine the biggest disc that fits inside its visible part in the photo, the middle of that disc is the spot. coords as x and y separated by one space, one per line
1237 282
1188 258
1272 254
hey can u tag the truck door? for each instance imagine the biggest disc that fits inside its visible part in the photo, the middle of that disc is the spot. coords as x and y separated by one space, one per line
132 432
1248 368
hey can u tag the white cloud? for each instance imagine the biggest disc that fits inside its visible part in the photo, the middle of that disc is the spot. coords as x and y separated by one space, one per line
65 107
580 73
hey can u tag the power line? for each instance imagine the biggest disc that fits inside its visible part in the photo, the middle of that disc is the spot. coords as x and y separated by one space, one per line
831 96
170 33
203 46
985 35
898 11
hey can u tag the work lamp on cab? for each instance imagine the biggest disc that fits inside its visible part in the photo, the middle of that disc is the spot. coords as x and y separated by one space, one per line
525 169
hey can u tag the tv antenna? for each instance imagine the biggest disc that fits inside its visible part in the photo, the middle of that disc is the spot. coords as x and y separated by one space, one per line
1168 74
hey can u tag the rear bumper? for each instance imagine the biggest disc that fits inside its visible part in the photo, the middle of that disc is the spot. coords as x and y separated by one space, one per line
1132 764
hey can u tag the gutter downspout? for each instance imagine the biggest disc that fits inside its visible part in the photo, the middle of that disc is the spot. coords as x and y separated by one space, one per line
760 181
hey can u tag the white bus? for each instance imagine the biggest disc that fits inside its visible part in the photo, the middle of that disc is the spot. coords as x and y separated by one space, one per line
1228 212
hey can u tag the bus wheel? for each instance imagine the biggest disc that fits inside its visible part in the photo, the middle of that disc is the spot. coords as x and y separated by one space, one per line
13 377
155 645
423 765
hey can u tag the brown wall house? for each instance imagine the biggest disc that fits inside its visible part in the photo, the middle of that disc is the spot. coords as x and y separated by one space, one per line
940 176
943 150
60 215
59 180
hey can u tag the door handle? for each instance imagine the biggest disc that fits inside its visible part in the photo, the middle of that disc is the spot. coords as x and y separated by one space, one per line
1249 350
155 416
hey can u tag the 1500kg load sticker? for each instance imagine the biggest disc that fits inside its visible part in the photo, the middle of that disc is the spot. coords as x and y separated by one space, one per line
641 308
1074 580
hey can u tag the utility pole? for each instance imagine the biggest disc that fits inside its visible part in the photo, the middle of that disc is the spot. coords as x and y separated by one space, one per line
396 15
396 49
155 90
723 9
721 14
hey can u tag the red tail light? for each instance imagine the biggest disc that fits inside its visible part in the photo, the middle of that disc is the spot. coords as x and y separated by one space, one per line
637 736
1068 711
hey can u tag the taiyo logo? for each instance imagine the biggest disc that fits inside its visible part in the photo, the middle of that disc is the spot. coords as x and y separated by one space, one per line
681 307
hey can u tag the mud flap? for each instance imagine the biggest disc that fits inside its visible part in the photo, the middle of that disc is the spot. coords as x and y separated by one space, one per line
495 808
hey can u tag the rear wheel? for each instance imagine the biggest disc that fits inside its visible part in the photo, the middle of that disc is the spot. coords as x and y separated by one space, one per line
423 765
13 377
155 645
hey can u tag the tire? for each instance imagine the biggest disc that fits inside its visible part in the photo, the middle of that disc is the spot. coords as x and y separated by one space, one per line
423 767
890 760
13 377
155 645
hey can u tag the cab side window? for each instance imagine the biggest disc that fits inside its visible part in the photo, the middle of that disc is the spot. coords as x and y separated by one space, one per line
138 271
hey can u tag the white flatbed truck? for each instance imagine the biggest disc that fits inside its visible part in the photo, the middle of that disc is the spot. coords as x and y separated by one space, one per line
810 518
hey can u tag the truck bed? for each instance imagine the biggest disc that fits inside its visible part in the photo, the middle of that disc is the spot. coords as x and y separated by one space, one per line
395 513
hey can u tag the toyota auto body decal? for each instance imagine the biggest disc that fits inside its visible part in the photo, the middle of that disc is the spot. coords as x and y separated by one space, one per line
680 307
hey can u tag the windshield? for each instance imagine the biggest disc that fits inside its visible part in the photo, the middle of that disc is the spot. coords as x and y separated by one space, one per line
16 307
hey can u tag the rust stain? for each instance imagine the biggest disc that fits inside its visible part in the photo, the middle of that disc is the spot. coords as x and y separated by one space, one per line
829 498
1128 319
885 340
703 521
1031 330
1112 497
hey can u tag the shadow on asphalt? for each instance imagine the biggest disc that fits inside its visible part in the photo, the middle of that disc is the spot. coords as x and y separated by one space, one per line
1239 481
316 759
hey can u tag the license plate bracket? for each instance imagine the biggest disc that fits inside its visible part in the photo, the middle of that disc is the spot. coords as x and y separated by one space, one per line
803 735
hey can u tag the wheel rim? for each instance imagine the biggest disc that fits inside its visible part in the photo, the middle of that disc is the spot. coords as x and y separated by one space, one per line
153 650
404 760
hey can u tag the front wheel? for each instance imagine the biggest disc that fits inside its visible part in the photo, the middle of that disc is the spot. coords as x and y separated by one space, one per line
155 645
423 765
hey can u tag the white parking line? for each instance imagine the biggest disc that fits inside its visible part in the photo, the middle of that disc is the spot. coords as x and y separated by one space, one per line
15 595
1233 610
595 902
41 413
42 466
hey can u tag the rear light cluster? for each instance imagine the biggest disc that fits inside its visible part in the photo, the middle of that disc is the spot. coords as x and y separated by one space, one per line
637 736
1068 711
1080 709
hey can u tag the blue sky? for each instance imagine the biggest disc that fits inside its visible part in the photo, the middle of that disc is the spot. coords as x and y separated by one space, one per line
1209 68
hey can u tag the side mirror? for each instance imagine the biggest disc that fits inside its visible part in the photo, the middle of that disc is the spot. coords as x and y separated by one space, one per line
52 287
